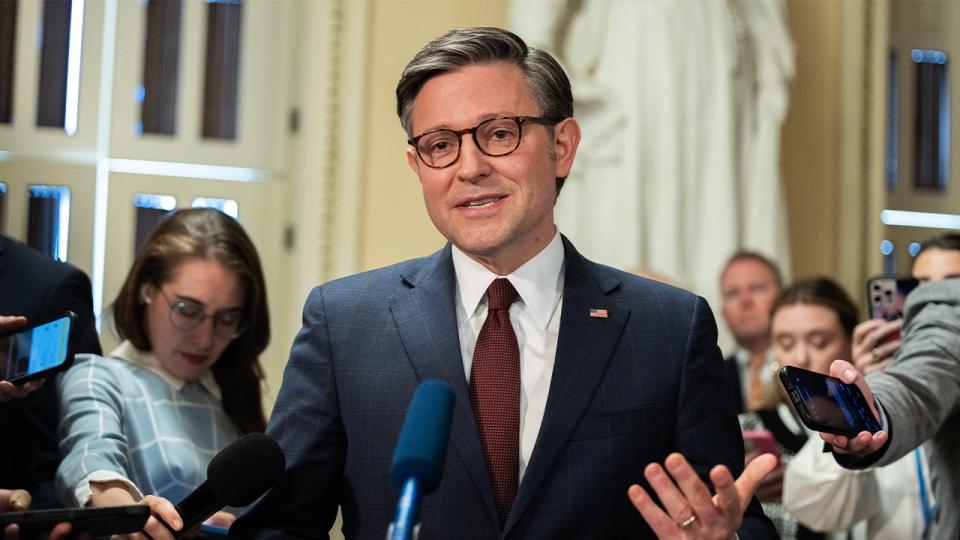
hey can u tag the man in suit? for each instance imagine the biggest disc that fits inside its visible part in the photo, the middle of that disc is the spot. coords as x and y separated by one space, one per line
597 372
918 398
749 284
36 287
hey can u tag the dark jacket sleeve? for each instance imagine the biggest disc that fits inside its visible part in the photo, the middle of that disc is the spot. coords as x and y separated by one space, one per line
306 423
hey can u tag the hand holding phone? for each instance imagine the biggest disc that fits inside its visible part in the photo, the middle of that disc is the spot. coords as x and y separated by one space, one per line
37 350
827 404
95 521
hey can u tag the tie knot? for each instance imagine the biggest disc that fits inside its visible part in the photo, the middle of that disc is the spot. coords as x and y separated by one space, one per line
501 294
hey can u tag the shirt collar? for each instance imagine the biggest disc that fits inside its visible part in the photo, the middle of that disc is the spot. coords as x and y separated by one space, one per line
538 281
147 360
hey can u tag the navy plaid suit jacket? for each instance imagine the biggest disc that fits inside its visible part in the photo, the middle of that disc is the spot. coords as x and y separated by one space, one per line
626 390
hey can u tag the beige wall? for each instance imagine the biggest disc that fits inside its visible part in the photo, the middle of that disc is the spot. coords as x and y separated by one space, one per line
395 225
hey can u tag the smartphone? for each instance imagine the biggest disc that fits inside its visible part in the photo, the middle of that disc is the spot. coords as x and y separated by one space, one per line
886 296
37 350
828 404
761 440
95 521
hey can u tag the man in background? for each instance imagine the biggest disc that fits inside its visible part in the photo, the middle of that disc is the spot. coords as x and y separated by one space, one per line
749 284
39 288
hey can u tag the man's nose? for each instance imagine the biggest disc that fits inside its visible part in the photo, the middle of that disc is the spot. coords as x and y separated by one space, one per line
473 164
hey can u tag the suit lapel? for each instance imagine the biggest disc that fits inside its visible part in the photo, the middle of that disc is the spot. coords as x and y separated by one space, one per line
585 346
426 318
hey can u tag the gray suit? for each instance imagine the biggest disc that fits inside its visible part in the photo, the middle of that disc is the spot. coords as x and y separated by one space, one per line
920 394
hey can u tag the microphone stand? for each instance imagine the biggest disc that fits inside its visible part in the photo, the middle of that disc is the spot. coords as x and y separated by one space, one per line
406 522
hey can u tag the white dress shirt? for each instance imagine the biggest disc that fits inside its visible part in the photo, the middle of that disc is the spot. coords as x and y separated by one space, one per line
535 317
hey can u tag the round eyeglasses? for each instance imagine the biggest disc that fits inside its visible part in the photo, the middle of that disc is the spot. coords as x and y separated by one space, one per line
440 148
187 315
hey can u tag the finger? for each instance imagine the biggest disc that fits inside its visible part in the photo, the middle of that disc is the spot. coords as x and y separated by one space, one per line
727 498
19 500
154 530
61 530
670 496
11 532
695 491
877 367
755 471
889 348
661 523
164 510
863 330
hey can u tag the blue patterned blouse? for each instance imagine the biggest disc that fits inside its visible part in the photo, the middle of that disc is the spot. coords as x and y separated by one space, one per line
125 418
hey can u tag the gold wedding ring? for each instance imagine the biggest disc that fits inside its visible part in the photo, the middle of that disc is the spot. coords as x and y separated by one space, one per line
687 523
876 354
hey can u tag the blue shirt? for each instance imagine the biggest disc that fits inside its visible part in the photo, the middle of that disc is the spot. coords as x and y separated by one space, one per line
124 418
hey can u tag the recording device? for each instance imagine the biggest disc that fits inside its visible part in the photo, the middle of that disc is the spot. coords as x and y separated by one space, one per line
37 350
827 404
762 441
886 296
237 476
95 521
421 453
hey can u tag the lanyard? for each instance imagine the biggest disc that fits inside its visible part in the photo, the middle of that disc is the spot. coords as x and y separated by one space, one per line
928 512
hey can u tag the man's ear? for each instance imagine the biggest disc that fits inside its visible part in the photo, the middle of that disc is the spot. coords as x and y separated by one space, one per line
412 160
566 139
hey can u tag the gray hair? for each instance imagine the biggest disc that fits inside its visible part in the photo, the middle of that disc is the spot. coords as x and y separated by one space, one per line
485 45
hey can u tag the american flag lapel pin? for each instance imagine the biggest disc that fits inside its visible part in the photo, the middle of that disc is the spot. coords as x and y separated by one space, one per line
598 313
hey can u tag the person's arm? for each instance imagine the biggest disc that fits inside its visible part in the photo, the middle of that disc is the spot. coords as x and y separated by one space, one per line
824 496
710 452
92 442
918 391
306 423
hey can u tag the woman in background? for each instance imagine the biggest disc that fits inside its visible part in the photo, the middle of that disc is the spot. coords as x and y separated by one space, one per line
185 382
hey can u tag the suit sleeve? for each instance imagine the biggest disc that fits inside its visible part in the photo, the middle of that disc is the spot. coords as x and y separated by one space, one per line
707 428
73 292
306 423
918 391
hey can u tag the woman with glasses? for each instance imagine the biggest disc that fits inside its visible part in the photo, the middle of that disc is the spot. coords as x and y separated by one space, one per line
185 382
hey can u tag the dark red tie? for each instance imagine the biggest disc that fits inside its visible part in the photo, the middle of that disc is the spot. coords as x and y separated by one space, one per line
495 393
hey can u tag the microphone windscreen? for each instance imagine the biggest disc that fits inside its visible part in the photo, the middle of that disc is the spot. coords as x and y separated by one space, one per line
245 469
422 447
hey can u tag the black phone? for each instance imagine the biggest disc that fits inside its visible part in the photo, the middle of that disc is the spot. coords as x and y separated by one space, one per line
97 522
37 350
886 296
827 404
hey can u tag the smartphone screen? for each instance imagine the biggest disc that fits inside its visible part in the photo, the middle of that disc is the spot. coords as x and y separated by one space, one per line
828 404
35 350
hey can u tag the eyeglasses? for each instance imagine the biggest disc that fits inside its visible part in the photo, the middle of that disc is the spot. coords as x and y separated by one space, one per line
187 315
495 137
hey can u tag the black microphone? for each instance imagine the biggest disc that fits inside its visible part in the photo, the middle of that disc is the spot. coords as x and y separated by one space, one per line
420 453
236 476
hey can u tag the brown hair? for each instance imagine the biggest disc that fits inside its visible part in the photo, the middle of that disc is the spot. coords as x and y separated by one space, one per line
206 233
820 291
746 255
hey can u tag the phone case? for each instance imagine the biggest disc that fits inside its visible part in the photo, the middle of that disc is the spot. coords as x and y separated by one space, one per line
840 408
886 296
71 339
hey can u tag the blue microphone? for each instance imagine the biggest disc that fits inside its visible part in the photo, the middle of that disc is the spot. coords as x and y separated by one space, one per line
420 453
